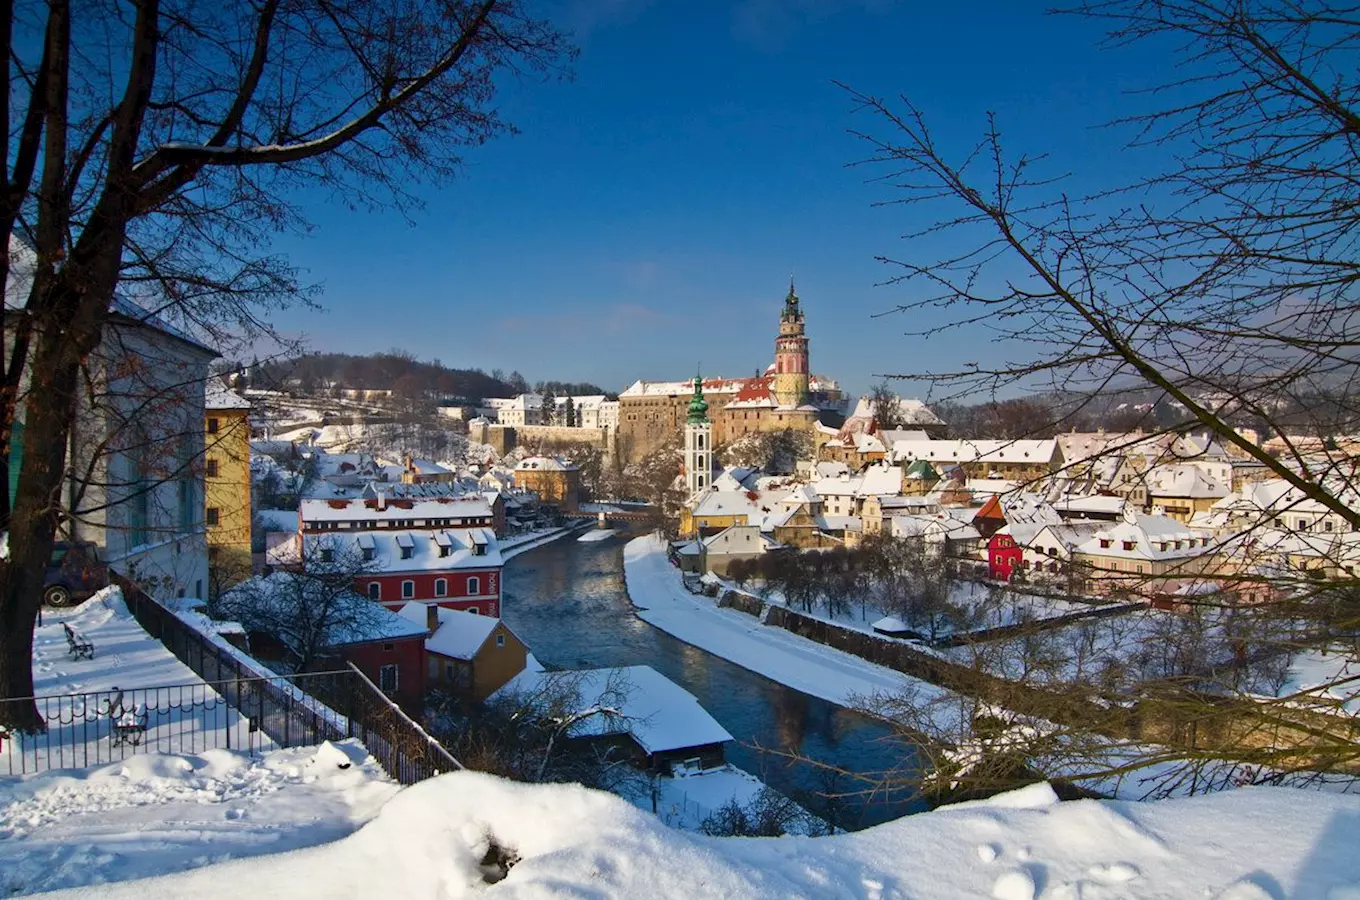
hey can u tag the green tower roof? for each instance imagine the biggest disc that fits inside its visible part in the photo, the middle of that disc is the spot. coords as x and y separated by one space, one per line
698 406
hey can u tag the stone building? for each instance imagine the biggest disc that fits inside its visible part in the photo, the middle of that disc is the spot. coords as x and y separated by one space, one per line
786 396
554 480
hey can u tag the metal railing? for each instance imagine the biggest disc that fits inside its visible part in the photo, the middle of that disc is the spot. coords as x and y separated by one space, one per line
250 714
288 709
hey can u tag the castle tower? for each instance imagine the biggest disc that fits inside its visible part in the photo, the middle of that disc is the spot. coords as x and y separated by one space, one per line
698 442
790 386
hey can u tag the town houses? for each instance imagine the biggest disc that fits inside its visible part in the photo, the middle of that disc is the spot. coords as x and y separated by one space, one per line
441 550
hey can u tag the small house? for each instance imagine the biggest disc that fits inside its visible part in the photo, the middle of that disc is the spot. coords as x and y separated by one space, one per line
467 655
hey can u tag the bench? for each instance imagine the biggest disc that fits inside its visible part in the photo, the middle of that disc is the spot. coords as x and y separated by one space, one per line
129 727
76 645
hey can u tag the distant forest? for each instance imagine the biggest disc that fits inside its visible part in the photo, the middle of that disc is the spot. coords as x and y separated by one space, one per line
400 372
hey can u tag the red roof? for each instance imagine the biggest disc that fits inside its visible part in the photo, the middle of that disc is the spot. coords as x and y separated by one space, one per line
753 389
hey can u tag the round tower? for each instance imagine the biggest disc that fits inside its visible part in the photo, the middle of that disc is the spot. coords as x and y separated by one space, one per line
698 442
791 378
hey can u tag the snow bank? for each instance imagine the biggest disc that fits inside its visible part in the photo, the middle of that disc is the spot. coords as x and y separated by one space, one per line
154 813
430 839
598 534
655 588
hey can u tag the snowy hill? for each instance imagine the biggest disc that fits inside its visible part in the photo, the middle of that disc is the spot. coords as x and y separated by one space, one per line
429 841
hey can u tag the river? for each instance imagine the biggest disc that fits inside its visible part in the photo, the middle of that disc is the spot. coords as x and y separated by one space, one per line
567 600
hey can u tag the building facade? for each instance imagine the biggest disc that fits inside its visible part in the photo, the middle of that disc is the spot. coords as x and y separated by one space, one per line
226 485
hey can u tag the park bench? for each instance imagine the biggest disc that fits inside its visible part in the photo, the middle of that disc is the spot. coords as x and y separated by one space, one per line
77 645
129 722
130 726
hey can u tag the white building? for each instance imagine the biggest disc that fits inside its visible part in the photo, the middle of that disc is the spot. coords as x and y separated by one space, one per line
526 409
135 481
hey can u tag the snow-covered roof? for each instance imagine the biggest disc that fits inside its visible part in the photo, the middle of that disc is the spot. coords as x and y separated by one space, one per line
543 464
460 633
658 713
909 410
1184 480
1149 537
375 623
982 451
216 395
386 547
423 509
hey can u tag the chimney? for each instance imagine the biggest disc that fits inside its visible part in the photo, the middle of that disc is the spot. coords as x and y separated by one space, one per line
432 617
410 463
382 499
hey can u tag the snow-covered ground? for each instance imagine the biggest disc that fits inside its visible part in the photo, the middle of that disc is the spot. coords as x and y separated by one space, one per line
184 715
597 534
429 841
1332 676
656 589
155 814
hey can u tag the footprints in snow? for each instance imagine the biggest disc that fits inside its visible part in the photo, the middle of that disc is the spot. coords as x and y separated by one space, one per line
1025 883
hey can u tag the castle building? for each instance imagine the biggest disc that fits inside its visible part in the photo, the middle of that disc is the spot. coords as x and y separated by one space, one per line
787 396
698 442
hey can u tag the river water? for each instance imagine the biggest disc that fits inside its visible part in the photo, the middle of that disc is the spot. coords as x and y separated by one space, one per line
567 600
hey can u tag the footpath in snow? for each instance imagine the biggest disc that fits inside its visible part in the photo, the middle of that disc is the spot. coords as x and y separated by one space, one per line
429 842
656 589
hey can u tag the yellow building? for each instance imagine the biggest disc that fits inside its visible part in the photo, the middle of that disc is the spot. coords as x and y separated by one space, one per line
226 485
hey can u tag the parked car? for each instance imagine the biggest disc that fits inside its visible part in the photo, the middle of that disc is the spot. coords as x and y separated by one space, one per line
74 573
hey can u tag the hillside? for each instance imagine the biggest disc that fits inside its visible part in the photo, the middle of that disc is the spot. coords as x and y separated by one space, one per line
393 370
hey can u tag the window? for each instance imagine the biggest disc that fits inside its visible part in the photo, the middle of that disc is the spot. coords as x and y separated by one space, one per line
1128 545
448 671
389 647
1105 542
212 426
474 586
1327 525
476 611
374 590
214 515
387 678
369 553
327 554
500 640
406 552
408 589
441 587
210 468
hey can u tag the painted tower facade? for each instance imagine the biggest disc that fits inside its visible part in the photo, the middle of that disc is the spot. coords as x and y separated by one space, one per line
698 442
790 385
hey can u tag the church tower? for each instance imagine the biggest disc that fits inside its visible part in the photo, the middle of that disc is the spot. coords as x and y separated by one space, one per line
698 442
790 386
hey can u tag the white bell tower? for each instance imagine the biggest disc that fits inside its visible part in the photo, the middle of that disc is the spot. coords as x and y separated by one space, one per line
698 442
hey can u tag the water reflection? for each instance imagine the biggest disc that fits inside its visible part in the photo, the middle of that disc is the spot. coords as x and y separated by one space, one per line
568 601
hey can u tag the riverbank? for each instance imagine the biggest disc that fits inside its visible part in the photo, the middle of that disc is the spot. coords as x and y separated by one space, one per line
523 543
660 599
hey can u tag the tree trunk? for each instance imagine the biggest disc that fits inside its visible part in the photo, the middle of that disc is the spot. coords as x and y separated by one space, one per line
33 522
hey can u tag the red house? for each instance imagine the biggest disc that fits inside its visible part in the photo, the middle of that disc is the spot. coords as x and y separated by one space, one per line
392 656
457 569
1004 555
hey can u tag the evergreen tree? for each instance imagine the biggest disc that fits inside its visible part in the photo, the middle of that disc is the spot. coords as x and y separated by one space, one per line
549 408
570 413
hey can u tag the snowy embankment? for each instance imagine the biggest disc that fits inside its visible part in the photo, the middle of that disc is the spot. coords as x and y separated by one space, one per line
430 840
656 589
597 534
154 814
512 547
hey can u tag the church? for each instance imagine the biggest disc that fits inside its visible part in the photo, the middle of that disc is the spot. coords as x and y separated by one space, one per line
786 396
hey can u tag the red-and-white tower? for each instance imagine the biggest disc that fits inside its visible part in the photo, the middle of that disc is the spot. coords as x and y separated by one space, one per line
791 373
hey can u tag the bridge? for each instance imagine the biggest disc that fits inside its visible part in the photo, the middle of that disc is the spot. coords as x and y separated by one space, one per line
606 513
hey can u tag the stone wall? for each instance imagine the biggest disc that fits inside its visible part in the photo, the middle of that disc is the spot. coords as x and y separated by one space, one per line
504 438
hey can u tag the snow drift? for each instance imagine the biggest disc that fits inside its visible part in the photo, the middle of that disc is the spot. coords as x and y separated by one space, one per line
431 840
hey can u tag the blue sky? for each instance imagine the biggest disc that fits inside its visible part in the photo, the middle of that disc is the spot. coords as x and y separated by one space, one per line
648 216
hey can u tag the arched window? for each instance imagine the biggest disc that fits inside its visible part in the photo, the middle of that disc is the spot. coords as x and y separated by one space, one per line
474 585
441 587
374 590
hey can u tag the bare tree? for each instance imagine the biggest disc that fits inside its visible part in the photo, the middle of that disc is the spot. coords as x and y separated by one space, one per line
154 148
310 609
1222 284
